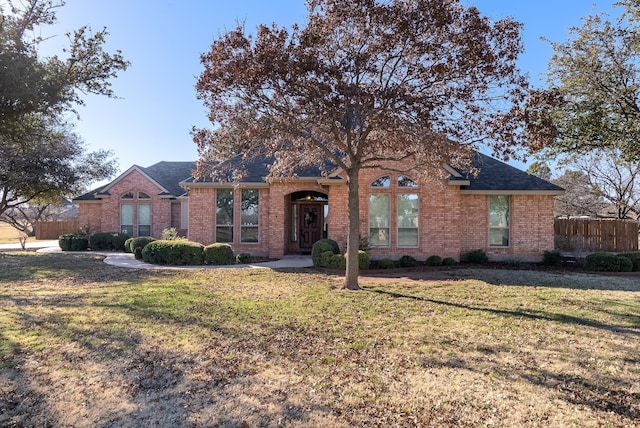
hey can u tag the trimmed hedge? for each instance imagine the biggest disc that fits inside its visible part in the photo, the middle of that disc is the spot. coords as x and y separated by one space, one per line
434 260
407 261
71 242
127 245
140 242
218 254
634 256
386 263
244 258
108 241
478 257
322 246
448 261
607 262
138 253
179 252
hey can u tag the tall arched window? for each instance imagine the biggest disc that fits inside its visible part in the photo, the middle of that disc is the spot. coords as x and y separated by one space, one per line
135 214
400 199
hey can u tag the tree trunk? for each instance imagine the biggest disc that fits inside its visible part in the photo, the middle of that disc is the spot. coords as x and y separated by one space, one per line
353 239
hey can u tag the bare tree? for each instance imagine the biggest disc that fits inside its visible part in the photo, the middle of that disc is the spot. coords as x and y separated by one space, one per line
363 84
613 179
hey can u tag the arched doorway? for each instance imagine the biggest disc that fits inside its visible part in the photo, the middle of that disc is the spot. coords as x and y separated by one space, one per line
308 220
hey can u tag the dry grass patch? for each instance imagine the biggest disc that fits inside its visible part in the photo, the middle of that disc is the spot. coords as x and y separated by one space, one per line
86 344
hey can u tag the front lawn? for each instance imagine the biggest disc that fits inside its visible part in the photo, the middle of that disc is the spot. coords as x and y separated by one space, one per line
87 344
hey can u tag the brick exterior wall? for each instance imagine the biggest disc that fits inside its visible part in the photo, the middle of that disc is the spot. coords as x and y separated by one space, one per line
450 223
105 215
531 228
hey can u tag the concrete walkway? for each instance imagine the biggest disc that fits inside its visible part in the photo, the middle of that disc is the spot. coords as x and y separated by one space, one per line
126 260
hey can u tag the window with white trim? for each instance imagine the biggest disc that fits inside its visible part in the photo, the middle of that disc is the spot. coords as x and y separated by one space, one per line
224 215
499 220
126 219
249 216
144 219
407 221
379 220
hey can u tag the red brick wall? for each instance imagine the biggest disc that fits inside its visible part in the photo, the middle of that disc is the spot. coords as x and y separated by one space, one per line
531 228
106 218
90 214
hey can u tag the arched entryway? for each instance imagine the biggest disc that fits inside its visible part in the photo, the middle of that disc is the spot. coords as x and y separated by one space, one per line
308 216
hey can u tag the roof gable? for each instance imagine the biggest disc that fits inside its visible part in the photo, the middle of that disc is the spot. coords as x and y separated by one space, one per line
165 175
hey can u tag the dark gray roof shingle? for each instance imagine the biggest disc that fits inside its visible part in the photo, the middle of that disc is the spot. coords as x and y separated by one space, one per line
496 175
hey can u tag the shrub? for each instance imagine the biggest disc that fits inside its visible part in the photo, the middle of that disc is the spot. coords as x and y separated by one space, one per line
325 259
127 246
140 242
109 241
551 258
322 246
386 263
72 242
64 241
180 252
337 261
434 260
407 261
607 262
244 258
448 261
626 264
170 234
634 256
363 260
218 254
137 253
79 243
478 257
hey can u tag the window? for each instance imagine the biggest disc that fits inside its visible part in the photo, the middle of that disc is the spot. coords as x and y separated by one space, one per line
382 182
379 220
499 221
407 220
135 216
249 217
224 215
126 219
144 219
404 181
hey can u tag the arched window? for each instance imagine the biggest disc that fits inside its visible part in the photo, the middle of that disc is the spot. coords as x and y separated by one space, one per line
382 182
394 215
135 215
404 181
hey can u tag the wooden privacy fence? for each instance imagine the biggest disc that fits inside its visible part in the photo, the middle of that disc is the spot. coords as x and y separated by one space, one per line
576 234
53 229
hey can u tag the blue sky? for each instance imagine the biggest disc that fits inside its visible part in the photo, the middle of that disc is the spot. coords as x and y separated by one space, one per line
163 39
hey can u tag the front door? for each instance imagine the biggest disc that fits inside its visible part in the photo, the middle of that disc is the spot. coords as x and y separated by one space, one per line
310 225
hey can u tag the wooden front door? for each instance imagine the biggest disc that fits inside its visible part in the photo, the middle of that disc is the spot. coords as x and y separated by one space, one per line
310 224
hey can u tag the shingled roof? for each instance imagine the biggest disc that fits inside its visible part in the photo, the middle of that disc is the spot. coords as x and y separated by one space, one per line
493 176
167 175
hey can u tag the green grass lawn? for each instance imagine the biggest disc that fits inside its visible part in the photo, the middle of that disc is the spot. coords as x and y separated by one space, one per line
86 344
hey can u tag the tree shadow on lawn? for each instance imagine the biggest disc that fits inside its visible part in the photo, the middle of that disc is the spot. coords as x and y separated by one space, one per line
573 388
515 277
528 313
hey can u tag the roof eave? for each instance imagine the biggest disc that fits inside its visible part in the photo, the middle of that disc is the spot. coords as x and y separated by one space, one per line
511 192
